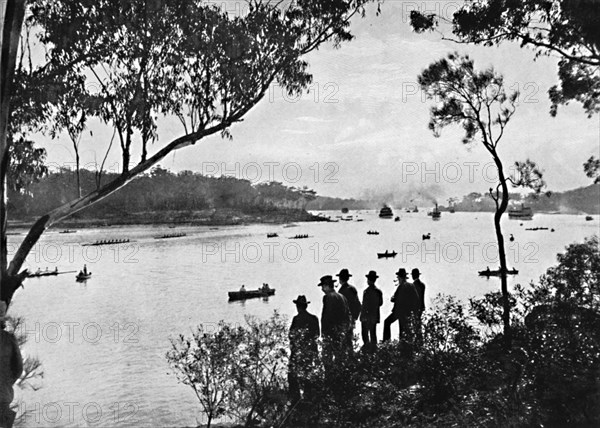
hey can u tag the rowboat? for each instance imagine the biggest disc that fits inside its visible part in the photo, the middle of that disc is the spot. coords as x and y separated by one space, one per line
250 294
386 254
497 272
83 276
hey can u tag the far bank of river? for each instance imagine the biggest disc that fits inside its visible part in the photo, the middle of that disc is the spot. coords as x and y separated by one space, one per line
215 217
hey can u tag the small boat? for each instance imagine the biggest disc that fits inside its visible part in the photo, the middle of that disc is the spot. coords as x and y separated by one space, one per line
386 255
68 231
496 272
428 236
372 232
397 218
107 242
386 212
536 228
588 218
83 276
523 213
416 210
359 219
344 210
264 291
40 273
272 235
451 210
171 235
303 236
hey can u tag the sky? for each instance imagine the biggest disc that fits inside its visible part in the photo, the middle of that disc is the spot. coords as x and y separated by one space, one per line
361 130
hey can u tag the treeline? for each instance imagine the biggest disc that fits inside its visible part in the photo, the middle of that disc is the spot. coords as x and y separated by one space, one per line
160 190
583 199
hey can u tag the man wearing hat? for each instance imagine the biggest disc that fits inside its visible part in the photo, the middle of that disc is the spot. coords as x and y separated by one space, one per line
420 287
11 368
335 321
369 317
351 295
304 351
406 304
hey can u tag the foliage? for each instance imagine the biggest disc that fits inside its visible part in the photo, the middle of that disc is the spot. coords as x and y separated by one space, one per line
160 190
459 374
592 169
26 165
478 102
567 28
236 371
127 63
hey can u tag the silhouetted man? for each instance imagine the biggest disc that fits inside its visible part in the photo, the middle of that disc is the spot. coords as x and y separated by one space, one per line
406 304
11 368
420 287
349 292
369 317
335 322
304 351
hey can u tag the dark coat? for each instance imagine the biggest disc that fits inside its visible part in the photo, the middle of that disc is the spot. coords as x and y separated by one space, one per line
351 295
406 300
420 287
304 333
335 318
372 301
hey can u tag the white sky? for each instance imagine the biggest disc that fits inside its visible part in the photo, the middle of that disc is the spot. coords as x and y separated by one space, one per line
363 126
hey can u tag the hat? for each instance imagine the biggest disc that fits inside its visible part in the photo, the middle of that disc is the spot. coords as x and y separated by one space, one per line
344 274
401 273
326 280
2 310
301 300
372 275
416 272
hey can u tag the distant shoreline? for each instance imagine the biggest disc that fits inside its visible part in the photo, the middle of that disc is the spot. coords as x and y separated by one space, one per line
226 217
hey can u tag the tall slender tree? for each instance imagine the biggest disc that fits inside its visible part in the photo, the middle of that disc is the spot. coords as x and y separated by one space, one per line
478 102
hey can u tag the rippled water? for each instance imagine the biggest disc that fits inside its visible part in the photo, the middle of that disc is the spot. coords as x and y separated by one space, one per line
103 343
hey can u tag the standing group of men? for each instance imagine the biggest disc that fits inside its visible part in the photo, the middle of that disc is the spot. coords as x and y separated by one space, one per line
341 310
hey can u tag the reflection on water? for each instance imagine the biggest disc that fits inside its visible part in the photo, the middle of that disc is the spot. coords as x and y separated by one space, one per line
102 342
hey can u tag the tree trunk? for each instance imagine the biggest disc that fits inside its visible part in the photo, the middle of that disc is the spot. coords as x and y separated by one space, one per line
500 210
12 12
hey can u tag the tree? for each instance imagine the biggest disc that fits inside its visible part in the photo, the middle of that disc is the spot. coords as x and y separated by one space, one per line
592 169
186 59
236 371
567 28
477 101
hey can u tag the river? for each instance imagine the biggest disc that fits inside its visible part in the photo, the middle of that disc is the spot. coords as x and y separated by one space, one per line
102 343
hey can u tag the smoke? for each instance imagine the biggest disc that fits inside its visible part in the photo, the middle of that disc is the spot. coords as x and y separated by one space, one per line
404 196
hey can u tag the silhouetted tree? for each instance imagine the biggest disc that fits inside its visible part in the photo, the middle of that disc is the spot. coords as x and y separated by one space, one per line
477 101
567 28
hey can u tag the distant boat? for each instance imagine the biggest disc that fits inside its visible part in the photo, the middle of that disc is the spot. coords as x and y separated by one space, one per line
523 213
397 219
83 276
272 235
435 214
170 235
536 228
251 294
451 210
108 242
386 255
386 212
344 210
303 236
428 236
415 210
488 272
372 232
588 218
68 231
